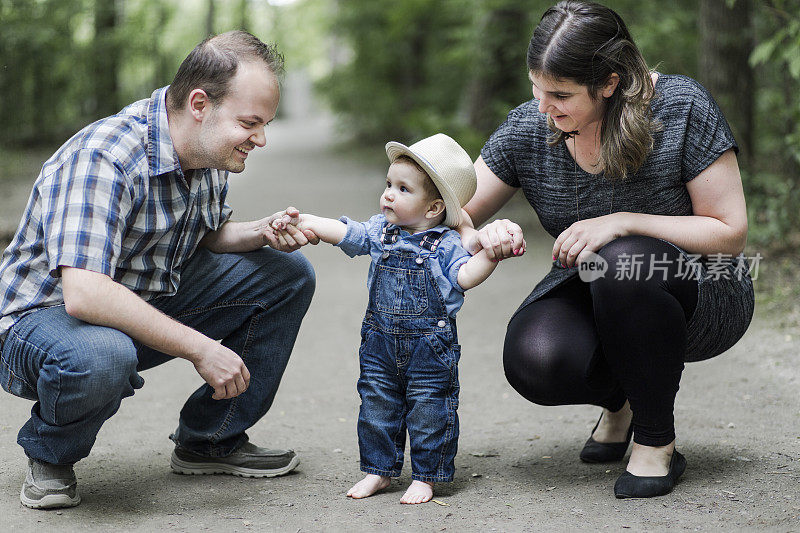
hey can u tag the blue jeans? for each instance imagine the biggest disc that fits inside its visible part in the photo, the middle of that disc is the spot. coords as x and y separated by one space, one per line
408 383
78 373
409 372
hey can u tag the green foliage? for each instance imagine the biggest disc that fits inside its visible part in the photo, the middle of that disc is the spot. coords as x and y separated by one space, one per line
665 32
772 186
44 69
779 53
407 68
423 66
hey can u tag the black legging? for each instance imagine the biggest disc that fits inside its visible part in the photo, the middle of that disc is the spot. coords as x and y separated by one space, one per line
609 340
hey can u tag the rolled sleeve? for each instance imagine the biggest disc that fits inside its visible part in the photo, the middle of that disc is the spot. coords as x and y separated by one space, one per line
357 239
86 203
453 257
219 201
225 216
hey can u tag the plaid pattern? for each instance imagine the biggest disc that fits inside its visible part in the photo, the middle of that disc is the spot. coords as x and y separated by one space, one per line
113 200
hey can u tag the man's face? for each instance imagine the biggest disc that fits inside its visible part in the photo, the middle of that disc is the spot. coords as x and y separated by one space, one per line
235 125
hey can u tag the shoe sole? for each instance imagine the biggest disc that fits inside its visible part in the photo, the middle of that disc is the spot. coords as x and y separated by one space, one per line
50 501
193 469
593 461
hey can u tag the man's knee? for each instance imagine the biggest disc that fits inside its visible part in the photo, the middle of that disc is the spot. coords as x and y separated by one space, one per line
296 274
303 273
98 362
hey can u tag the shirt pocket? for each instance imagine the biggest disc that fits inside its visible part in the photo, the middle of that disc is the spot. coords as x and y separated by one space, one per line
400 291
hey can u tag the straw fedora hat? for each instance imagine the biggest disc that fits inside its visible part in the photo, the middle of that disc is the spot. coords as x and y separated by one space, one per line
448 165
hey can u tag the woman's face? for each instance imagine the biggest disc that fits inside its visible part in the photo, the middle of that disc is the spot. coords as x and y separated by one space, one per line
567 103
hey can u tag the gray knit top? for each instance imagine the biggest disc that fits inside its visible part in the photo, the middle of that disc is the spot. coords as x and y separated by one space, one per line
694 135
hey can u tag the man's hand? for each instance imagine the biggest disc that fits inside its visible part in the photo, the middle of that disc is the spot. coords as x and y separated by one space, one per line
223 370
97 299
240 237
290 238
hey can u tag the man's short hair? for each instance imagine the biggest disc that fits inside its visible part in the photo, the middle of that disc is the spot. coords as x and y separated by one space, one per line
214 62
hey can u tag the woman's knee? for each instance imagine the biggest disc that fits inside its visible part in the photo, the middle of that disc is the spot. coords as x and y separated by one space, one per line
629 254
632 261
629 244
534 365
641 268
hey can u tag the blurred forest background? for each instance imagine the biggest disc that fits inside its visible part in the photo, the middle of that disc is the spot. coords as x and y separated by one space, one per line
404 69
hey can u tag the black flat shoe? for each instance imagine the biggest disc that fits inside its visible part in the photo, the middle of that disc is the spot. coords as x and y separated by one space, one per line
605 452
630 486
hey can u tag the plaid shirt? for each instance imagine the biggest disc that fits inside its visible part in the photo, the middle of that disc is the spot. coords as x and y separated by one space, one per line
112 199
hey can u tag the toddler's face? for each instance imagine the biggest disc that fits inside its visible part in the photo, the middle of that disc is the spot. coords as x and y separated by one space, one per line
405 201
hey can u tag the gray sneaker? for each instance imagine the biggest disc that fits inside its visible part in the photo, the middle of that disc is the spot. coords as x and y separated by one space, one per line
248 461
49 486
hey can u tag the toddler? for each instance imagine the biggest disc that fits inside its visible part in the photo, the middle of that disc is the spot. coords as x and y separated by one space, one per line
409 347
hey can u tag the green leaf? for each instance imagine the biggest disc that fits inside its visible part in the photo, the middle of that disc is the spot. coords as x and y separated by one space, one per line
763 52
794 67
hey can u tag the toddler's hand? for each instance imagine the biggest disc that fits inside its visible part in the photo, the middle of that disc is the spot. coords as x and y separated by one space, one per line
280 224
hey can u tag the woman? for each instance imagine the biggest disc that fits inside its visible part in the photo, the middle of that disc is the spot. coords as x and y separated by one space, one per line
639 168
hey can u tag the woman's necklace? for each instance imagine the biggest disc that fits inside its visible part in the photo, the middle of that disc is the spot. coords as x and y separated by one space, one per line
575 176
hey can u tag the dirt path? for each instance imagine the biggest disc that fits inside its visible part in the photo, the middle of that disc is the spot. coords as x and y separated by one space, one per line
738 415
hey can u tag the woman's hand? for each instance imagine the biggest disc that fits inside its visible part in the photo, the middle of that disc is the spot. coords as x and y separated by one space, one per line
501 239
575 242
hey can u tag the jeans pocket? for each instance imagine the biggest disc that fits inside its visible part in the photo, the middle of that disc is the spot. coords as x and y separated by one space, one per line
400 291
366 329
448 355
456 349
16 385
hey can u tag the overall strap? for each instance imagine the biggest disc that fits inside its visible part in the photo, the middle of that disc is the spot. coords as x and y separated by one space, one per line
389 236
430 241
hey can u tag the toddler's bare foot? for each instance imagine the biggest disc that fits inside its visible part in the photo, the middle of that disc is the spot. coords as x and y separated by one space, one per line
368 486
418 492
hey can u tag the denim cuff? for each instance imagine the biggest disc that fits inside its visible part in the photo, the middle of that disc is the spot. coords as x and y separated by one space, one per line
354 239
432 479
379 472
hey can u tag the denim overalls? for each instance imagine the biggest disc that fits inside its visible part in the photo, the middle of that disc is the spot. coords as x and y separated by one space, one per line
409 374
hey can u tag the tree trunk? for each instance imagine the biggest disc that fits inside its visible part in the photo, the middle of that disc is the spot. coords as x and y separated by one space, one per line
162 73
106 58
210 16
726 41
499 68
243 16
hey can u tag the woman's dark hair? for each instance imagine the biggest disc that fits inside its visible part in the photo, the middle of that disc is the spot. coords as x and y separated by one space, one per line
586 42
213 63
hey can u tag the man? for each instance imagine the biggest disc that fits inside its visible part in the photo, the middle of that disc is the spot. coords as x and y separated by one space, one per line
126 258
